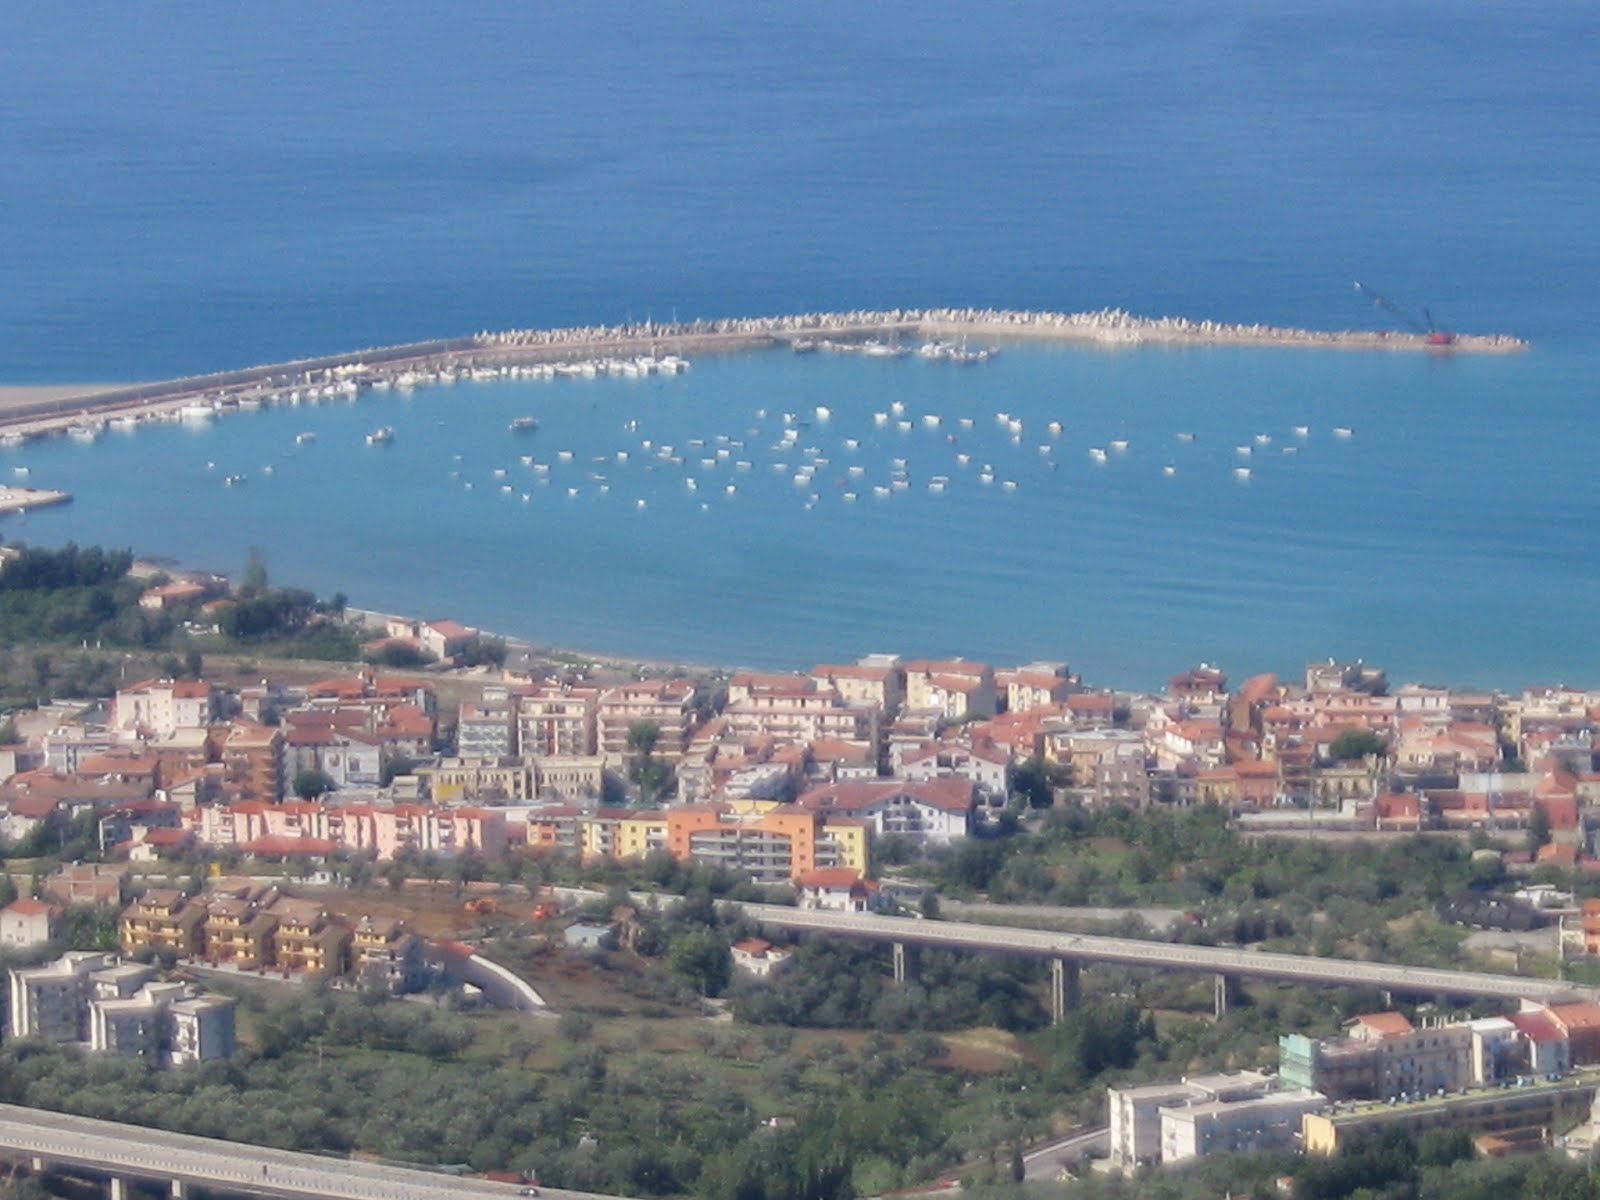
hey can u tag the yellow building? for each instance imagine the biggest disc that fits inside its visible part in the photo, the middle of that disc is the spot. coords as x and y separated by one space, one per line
1539 1107
162 919
624 833
238 932
306 942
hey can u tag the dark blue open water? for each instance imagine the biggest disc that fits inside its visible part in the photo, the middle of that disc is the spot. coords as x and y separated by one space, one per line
188 189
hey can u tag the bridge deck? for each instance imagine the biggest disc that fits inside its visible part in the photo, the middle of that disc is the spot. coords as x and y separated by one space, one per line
1134 952
132 1151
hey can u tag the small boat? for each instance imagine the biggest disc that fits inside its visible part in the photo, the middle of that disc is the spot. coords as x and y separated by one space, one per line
381 436
1169 470
1120 445
1186 437
233 480
1302 431
300 439
522 425
1241 472
1341 431
1096 453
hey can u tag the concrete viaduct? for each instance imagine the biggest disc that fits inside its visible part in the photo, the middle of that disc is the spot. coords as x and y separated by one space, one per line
1068 952
179 1163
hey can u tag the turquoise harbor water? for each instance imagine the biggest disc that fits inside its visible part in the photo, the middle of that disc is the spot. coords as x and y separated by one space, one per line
1345 546
198 191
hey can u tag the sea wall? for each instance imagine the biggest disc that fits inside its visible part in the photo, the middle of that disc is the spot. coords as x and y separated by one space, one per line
380 366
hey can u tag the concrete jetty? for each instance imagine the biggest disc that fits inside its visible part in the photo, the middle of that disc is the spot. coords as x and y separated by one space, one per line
17 499
487 355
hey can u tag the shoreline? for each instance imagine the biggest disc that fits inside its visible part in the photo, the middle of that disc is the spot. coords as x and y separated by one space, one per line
53 409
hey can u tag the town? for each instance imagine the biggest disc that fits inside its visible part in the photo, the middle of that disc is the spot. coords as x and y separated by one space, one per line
389 831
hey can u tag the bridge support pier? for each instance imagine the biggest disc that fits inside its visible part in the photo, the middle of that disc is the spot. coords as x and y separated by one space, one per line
1224 993
1066 988
899 962
179 1190
120 1189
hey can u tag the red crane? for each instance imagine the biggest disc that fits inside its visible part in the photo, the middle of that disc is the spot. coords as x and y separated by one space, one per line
1430 332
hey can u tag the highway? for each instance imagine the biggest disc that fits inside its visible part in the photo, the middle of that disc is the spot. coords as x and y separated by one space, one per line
1131 952
134 1152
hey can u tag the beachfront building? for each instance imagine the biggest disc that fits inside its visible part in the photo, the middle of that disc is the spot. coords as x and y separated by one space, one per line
954 688
795 709
1037 685
557 721
877 681
666 705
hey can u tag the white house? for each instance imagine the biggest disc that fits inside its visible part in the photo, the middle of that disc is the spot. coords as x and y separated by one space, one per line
27 922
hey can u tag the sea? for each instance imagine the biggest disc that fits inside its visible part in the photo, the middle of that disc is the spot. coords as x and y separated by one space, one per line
195 188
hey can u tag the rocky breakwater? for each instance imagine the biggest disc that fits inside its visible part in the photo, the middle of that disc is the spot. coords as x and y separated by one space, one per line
1114 327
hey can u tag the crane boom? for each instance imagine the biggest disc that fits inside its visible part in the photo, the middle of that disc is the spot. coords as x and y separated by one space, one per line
1434 336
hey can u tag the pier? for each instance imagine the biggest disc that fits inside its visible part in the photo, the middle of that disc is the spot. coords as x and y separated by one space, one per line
18 499
490 355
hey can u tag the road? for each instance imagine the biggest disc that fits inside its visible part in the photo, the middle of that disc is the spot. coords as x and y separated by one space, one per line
1091 948
1160 920
133 1152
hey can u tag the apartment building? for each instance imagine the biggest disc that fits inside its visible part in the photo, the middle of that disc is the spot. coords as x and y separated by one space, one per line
486 731
953 688
160 706
387 955
253 761
937 810
667 705
557 721
107 1006
878 681
163 919
1241 1111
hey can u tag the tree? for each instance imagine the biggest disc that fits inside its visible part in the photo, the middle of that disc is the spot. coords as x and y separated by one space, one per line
1036 780
1019 1169
650 775
1353 744
1538 826
255 581
701 958
309 783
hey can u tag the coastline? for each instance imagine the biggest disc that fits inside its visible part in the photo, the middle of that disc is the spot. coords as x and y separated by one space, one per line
48 409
